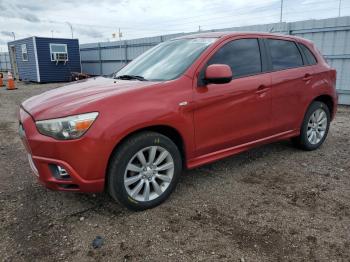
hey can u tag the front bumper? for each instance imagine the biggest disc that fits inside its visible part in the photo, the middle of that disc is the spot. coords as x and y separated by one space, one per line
85 166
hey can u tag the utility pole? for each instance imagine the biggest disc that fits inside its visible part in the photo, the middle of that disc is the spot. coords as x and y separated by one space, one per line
120 43
281 14
71 28
339 8
199 28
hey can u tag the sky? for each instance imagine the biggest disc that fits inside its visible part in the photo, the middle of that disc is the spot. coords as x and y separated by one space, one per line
97 20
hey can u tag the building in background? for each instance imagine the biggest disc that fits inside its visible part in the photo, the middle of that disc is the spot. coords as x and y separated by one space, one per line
44 60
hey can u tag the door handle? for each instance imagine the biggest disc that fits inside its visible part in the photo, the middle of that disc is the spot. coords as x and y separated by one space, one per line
307 77
262 89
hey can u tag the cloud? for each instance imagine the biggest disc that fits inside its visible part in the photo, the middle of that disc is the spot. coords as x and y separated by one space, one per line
89 32
29 17
97 20
6 33
16 10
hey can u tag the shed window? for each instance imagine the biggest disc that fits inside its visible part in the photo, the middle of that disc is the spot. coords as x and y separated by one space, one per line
58 52
24 52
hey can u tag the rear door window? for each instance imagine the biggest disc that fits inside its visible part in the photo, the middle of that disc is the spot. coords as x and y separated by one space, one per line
243 56
284 54
311 59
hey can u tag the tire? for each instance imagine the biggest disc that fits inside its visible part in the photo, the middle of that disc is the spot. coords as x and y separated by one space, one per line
306 140
129 180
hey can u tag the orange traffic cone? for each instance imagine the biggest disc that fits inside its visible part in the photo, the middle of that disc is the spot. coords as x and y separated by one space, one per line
10 82
1 81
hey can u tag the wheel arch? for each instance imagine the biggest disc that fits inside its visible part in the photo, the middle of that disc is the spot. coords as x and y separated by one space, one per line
328 100
166 130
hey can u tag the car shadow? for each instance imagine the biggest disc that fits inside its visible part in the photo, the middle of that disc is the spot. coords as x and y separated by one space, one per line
103 204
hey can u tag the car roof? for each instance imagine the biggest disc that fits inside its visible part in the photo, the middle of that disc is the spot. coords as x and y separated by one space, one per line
228 34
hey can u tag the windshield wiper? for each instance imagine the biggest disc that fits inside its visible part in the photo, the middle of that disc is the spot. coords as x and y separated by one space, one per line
129 77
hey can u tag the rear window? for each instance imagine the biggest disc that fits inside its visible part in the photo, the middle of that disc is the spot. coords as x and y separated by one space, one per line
284 54
311 59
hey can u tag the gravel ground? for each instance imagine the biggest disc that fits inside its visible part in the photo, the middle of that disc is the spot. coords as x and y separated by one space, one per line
272 203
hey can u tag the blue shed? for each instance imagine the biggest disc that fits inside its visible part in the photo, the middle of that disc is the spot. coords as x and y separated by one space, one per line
43 59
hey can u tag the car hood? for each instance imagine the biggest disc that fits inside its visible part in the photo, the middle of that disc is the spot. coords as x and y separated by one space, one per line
75 98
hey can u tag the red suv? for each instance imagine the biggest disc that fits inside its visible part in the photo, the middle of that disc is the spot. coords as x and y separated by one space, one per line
182 104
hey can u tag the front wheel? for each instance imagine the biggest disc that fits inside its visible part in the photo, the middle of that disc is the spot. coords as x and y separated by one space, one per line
144 170
315 127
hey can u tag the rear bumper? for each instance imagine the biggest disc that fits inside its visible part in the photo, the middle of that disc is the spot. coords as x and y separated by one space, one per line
80 158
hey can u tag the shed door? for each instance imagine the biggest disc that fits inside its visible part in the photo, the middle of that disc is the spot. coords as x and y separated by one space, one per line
14 61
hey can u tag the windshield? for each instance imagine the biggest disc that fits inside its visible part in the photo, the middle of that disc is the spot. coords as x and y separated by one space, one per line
167 60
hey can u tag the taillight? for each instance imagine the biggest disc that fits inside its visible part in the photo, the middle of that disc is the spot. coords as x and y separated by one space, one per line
333 77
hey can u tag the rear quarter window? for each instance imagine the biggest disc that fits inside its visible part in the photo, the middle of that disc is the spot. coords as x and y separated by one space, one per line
310 57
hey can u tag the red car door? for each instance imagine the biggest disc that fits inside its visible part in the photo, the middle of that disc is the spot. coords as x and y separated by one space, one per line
237 112
290 81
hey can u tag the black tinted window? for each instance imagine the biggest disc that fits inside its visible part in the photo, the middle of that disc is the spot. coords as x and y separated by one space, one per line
284 54
243 56
308 54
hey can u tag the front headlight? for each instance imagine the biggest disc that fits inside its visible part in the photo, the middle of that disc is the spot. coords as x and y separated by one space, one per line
66 128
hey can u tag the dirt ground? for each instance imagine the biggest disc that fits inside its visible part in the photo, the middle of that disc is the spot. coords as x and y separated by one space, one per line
273 203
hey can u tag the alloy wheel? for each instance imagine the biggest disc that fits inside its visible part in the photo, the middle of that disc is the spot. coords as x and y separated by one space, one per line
149 173
316 127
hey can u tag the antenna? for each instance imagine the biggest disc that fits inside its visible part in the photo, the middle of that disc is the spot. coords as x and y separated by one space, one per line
71 28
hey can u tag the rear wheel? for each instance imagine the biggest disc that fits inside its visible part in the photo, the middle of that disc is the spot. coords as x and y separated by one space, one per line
315 127
144 170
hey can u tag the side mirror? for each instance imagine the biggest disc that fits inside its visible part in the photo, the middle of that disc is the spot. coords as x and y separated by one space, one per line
218 74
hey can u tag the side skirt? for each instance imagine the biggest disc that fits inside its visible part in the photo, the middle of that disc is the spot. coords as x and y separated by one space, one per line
211 157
